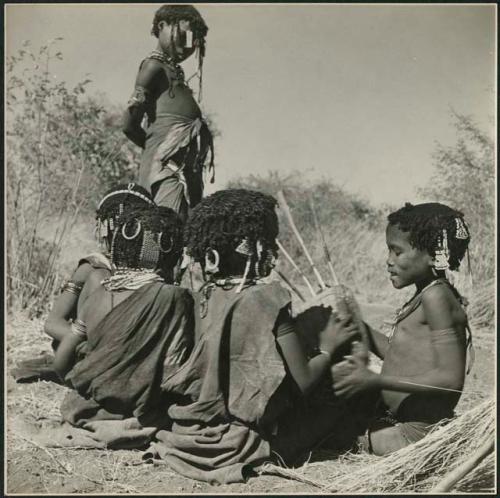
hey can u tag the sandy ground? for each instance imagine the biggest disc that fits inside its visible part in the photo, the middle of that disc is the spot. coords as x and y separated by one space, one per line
34 469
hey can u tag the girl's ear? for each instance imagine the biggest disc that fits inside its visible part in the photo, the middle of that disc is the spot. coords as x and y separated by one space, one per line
162 24
430 260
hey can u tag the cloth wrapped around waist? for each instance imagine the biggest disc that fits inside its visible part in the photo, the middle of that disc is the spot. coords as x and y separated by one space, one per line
168 134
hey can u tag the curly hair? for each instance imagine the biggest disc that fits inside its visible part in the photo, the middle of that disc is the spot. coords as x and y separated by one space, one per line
222 220
148 237
174 13
425 224
122 198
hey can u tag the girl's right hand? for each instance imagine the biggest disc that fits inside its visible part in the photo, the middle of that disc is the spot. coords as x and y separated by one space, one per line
337 332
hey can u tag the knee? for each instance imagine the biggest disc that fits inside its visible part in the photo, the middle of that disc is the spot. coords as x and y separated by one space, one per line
386 441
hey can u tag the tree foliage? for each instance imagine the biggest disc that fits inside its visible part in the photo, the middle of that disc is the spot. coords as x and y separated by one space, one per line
64 149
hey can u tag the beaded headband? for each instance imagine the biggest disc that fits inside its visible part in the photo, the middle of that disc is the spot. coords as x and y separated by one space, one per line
128 191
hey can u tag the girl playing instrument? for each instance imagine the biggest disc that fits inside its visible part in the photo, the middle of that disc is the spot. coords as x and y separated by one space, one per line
176 140
246 383
424 357
133 328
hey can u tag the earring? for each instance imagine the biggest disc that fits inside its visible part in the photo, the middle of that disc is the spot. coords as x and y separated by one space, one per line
136 233
150 252
212 266
442 254
245 275
460 230
170 247
244 247
189 39
112 253
104 226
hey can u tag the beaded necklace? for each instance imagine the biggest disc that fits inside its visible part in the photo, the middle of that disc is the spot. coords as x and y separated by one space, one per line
130 279
227 283
166 59
410 306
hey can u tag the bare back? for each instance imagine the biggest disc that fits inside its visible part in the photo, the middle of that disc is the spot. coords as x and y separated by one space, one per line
96 301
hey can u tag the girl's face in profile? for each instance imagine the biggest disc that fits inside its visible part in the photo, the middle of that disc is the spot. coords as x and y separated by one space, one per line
406 264
183 42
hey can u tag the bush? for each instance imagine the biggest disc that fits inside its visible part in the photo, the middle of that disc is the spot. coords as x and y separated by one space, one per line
464 178
354 233
64 149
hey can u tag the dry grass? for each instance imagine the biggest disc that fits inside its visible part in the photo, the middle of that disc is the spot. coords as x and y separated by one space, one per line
32 469
417 468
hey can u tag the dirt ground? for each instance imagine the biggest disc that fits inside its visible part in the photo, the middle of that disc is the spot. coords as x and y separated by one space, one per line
36 470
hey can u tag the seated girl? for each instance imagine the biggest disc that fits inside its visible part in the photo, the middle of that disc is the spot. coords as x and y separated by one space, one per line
135 327
115 203
424 369
244 391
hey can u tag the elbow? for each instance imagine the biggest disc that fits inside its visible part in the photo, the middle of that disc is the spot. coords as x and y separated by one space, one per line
453 382
126 123
126 130
305 387
48 327
129 124
59 368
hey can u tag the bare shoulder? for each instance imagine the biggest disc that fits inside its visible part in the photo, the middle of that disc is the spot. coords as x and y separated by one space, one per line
439 294
441 307
94 279
148 72
82 273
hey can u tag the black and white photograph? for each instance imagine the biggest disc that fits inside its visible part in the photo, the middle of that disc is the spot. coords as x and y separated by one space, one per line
250 248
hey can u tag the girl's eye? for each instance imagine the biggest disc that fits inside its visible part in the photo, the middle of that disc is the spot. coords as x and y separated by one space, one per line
394 251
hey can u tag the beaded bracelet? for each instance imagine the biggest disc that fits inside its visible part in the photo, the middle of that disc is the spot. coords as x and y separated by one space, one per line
79 329
72 287
322 351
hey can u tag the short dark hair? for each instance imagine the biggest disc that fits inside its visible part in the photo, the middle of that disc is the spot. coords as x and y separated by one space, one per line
174 13
222 220
425 224
164 240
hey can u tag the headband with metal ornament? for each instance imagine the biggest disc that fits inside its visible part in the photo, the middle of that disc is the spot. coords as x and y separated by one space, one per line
128 191
460 229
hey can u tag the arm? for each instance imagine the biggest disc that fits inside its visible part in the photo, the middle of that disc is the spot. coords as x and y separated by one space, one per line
449 369
57 324
145 84
378 341
64 358
307 373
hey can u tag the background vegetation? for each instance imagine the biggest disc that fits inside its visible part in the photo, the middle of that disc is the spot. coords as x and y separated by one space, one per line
65 148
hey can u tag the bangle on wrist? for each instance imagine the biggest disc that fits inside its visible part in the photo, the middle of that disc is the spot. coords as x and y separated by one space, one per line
79 329
322 351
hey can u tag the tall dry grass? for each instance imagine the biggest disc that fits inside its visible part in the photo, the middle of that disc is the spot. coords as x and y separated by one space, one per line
464 178
63 150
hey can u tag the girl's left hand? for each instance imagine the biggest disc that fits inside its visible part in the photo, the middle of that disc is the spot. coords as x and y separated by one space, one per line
359 378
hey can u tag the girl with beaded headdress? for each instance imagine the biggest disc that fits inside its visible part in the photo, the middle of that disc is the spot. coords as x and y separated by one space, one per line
246 381
116 202
424 356
177 142
133 328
